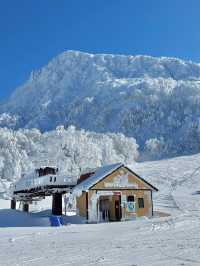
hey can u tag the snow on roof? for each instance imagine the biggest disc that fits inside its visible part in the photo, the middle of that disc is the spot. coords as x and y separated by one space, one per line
47 166
99 174
88 170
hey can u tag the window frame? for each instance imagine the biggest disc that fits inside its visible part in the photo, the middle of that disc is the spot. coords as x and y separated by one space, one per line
130 196
141 203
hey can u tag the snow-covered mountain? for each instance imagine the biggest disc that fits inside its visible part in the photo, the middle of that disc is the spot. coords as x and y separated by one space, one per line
155 100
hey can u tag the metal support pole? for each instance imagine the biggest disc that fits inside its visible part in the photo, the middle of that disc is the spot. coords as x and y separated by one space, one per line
87 213
13 204
25 207
65 201
57 204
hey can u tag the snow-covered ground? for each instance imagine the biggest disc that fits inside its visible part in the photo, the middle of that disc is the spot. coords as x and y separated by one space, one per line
171 240
143 242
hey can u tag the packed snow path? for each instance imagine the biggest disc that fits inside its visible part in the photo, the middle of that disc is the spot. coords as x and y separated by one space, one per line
143 243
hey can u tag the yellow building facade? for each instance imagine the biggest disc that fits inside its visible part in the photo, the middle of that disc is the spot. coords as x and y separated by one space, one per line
114 193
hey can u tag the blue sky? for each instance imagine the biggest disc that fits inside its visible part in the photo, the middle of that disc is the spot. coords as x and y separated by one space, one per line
34 31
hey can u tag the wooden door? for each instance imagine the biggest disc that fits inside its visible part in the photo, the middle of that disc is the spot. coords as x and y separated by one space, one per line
118 212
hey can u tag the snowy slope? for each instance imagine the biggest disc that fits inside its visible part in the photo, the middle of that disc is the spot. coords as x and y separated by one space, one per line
165 241
178 180
155 100
155 242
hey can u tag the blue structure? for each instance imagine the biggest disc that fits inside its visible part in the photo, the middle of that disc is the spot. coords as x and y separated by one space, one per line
55 220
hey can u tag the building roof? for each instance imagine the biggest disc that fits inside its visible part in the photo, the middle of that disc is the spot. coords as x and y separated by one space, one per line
101 173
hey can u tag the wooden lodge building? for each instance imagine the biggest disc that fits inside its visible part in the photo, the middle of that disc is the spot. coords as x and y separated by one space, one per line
113 193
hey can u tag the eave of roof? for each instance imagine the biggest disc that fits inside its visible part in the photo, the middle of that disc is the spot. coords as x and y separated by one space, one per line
103 172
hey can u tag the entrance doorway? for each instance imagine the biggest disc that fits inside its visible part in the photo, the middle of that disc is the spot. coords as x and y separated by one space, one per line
104 209
118 211
109 207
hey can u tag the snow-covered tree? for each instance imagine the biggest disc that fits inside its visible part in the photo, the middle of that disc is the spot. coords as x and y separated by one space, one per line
71 150
155 148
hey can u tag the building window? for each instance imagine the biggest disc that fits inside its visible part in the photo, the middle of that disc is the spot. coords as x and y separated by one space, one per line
141 203
130 199
54 179
50 179
46 171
